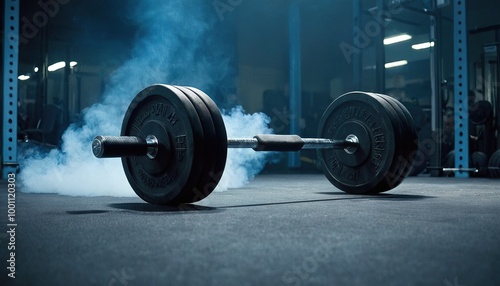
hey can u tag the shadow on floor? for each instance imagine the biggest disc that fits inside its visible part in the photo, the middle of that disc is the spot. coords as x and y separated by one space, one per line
86 212
145 207
381 196
291 202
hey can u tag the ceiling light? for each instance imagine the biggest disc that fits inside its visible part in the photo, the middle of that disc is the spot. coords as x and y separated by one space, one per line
72 64
396 64
422 46
23 77
36 69
396 39
56 66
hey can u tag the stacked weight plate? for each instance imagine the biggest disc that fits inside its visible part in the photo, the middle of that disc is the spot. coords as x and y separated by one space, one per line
388 143
479 161
494 164
192 144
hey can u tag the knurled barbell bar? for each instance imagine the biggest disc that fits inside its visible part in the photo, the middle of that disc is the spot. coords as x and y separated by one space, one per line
173 144
128 146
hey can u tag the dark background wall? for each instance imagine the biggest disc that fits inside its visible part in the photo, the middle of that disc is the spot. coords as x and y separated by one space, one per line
100 36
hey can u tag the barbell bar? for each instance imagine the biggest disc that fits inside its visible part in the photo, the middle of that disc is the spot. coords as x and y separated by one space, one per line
128 146
173 144
466 170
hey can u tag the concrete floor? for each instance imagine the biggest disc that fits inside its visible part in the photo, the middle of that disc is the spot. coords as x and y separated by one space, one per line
279 230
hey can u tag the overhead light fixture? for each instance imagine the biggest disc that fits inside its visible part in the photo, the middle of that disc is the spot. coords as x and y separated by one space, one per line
56 66
396 64
422 46
36 69
396 39
442 3
23 77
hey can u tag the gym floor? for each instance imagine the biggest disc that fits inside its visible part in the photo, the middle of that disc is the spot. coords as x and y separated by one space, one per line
279 230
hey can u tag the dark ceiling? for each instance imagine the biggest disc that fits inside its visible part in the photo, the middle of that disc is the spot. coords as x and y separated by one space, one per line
98 30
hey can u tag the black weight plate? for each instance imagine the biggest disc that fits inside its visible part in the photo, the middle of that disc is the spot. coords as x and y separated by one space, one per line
411 127
221 139
404 157
412 140
210 141
363 115
497 166
449 162
494 164
402 162
166 113
480 112
410 137
479 161
394 176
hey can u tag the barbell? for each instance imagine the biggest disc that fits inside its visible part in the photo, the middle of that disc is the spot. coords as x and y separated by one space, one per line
173 144
480 165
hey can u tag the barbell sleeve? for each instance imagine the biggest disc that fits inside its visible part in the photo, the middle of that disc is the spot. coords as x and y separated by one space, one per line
124 146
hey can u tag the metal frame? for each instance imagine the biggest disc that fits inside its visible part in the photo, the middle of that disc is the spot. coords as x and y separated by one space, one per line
357 58
380 54
295 78
437 93
10 96
461 87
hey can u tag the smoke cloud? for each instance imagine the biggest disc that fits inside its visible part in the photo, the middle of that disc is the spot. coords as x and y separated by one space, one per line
243 164
175 45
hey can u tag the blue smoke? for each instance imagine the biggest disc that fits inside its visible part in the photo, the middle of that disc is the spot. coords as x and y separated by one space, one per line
180 42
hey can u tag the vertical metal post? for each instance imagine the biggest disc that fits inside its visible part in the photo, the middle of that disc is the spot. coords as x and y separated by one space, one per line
380 53
295 78
436 95
461 87
65 96
10 67
357 63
